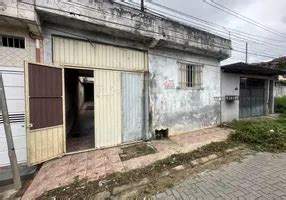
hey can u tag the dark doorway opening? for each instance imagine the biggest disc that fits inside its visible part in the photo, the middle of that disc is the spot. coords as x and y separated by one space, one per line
79 105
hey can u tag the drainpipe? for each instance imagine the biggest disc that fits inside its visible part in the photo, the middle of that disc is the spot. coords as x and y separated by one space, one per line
38 40
38 51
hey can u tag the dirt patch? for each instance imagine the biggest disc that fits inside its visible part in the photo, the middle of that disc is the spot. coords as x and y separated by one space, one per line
137 150
26 184
82 189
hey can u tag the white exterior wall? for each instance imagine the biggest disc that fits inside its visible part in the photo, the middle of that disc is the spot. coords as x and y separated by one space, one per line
182 110
12 67
230 86
279 91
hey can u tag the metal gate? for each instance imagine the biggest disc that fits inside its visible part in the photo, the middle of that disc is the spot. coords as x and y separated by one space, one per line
252 97
44 110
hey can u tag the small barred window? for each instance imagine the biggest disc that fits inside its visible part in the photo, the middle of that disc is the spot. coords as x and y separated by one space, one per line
14 42
190 76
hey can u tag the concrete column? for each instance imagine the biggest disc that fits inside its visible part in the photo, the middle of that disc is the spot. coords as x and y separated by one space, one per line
266 97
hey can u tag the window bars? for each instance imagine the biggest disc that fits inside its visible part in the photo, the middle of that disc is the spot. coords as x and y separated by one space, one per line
190 76
11 41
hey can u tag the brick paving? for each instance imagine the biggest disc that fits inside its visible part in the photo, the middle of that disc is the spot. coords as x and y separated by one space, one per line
260 176
99 163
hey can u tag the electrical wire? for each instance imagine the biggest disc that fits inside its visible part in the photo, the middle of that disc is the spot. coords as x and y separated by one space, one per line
238 38
211 23
244 18
195 41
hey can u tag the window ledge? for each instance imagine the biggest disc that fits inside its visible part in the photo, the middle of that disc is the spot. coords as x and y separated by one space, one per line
190 88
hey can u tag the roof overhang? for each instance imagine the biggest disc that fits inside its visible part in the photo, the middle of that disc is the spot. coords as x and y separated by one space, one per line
251 69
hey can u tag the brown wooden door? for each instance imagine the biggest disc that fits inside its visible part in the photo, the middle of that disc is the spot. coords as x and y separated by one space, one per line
44 112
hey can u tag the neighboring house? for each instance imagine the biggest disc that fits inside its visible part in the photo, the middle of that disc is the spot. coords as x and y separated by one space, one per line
100 74
247 90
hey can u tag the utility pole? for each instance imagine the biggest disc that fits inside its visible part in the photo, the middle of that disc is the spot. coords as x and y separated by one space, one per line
9 138
142 6
246 53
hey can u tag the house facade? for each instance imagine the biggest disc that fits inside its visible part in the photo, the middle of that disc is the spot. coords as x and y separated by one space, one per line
247 90
99 74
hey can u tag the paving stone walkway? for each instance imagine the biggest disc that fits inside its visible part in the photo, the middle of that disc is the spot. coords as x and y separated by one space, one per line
99 163
260 176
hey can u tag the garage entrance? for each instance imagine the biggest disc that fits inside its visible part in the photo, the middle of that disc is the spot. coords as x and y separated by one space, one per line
79 109
252 97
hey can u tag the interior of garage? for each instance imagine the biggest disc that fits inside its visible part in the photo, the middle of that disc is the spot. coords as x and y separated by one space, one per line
79 107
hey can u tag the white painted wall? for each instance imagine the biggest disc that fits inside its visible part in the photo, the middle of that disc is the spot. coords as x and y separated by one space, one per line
230 86
182 110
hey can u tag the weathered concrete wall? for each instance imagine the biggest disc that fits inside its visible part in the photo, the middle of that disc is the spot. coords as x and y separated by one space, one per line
123 21
182 110
230 85
18 9
21 14
280 90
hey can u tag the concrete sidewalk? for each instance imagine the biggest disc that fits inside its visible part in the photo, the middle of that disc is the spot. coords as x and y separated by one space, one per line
99 163
259 176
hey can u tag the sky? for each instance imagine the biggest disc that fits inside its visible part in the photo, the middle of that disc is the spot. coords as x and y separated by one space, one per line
270 13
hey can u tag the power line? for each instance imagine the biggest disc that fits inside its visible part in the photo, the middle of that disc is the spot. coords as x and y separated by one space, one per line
218 45
184 39
236 35
244 18
247 18
211 23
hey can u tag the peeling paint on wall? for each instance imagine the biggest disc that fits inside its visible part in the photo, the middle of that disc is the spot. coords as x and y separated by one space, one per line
182 110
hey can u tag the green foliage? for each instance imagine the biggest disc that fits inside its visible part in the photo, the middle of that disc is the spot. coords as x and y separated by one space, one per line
262 135
280 105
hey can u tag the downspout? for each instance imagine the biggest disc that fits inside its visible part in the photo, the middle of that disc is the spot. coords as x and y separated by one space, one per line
38 40
147 117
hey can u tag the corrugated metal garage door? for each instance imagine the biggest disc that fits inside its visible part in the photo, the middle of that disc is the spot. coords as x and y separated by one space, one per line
107 108
252 99
118 90
132 106
118 107
92 55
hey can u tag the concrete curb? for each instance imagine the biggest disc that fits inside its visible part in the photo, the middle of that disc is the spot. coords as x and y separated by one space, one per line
131 187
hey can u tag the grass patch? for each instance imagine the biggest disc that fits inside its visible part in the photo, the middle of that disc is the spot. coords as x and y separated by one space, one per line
82 189
280 105
262 135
